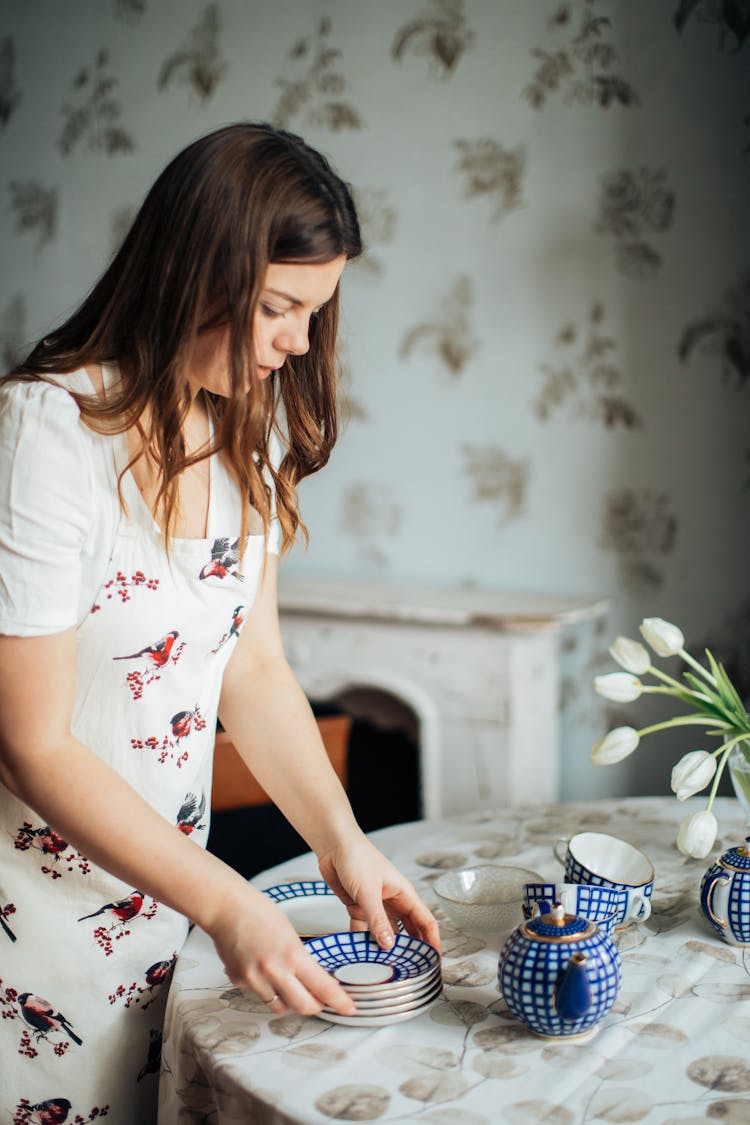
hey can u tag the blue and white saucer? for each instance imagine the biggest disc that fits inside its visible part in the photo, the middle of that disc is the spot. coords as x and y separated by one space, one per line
311 907
387 985
356 959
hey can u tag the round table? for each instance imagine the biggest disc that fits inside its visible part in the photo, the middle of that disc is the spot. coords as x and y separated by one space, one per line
675 1048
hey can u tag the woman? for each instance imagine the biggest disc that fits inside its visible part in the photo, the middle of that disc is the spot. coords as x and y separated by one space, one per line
143 502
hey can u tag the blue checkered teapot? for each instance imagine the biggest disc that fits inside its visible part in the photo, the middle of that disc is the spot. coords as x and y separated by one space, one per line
725 895
559 974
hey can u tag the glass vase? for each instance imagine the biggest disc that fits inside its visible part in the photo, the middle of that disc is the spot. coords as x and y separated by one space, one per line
739 771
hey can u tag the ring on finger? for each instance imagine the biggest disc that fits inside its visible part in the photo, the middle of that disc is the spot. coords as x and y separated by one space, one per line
271 999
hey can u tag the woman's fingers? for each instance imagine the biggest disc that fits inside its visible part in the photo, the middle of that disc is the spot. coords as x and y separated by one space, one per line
313 988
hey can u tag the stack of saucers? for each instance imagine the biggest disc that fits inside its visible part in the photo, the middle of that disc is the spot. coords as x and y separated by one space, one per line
387 985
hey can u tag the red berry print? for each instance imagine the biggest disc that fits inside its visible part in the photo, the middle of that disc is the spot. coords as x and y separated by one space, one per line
45 840
121 587
155 976
117 917
5 913
167 747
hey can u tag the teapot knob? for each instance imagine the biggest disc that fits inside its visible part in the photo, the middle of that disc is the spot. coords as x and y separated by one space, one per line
573 991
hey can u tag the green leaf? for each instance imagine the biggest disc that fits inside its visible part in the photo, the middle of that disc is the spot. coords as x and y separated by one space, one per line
735 709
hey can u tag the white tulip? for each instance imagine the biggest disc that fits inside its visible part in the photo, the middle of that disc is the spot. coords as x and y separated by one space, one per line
631 655
620 687
665 639
615 746
697 834
692 773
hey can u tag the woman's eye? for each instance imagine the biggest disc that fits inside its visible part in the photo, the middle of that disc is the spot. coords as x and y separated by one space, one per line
269 312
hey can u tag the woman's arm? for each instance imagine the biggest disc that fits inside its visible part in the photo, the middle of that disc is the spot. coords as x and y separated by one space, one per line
95 809
269 720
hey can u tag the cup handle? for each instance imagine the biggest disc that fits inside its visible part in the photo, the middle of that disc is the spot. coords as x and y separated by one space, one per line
641 909
560 843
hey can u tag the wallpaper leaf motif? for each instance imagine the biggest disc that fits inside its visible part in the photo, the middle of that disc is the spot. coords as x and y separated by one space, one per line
497 479
198 64
586 376
441 33
13 333
9 93
582 66
633 203
130 9
320 89
95 119
35 207
368 513
493 171
732 16
640 527
377 219
450 332
725 332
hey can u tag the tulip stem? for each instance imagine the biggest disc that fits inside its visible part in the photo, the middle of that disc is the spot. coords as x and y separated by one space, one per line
697 666
720 768
686 720
665 678
670 691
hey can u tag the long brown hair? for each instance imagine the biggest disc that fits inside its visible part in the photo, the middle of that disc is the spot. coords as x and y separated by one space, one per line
196 256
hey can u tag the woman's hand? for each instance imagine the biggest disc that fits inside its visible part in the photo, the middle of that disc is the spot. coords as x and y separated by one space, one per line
261 951
375 893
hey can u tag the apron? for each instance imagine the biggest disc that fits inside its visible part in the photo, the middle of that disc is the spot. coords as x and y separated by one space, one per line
85 959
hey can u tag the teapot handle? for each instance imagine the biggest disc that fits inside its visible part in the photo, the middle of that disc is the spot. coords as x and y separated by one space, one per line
708 895
573 991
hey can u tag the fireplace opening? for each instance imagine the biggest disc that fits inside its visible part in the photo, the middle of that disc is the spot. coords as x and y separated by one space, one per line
381 773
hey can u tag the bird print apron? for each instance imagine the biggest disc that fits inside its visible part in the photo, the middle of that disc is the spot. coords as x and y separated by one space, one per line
85 959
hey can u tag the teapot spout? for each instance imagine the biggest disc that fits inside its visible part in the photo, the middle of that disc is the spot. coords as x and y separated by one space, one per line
573 991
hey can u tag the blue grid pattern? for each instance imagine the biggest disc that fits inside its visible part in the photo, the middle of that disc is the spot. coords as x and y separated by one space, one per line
576 873
737 859
529 973
408 956
591 900
739 908
738 900
303 889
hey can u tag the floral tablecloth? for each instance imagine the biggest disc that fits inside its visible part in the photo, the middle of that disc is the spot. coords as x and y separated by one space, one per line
674 1049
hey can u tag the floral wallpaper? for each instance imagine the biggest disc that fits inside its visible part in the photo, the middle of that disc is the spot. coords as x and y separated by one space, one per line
546 345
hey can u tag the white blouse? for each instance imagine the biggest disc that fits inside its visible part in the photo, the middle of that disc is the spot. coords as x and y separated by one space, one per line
59 507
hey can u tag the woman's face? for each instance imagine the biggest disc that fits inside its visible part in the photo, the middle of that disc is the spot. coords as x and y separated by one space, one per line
292 293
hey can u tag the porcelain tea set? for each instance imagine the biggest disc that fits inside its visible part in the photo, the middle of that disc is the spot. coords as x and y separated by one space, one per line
560 971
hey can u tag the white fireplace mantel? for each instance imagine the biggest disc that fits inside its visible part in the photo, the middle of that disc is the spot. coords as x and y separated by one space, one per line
479 669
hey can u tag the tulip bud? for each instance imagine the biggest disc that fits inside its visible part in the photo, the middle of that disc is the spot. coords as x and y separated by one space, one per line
631 655
692 773
697 834
665 639
615 746
620 687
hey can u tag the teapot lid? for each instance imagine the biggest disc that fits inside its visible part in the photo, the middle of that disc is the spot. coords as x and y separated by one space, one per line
556 925
738 858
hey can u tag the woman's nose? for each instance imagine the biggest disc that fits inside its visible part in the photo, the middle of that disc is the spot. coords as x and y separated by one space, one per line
294 340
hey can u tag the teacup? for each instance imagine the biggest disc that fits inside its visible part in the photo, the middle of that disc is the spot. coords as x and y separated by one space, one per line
603 905
606 861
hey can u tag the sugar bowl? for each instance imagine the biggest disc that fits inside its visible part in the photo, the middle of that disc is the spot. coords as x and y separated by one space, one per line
725 895
559 974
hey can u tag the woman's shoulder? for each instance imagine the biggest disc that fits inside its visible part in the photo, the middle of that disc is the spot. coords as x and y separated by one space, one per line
49 393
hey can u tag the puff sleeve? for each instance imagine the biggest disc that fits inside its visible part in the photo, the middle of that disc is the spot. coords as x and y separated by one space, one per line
45 508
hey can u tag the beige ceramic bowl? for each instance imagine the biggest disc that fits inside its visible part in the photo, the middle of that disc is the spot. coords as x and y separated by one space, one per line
484 899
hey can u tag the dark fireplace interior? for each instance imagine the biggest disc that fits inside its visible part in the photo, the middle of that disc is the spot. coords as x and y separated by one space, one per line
382 784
